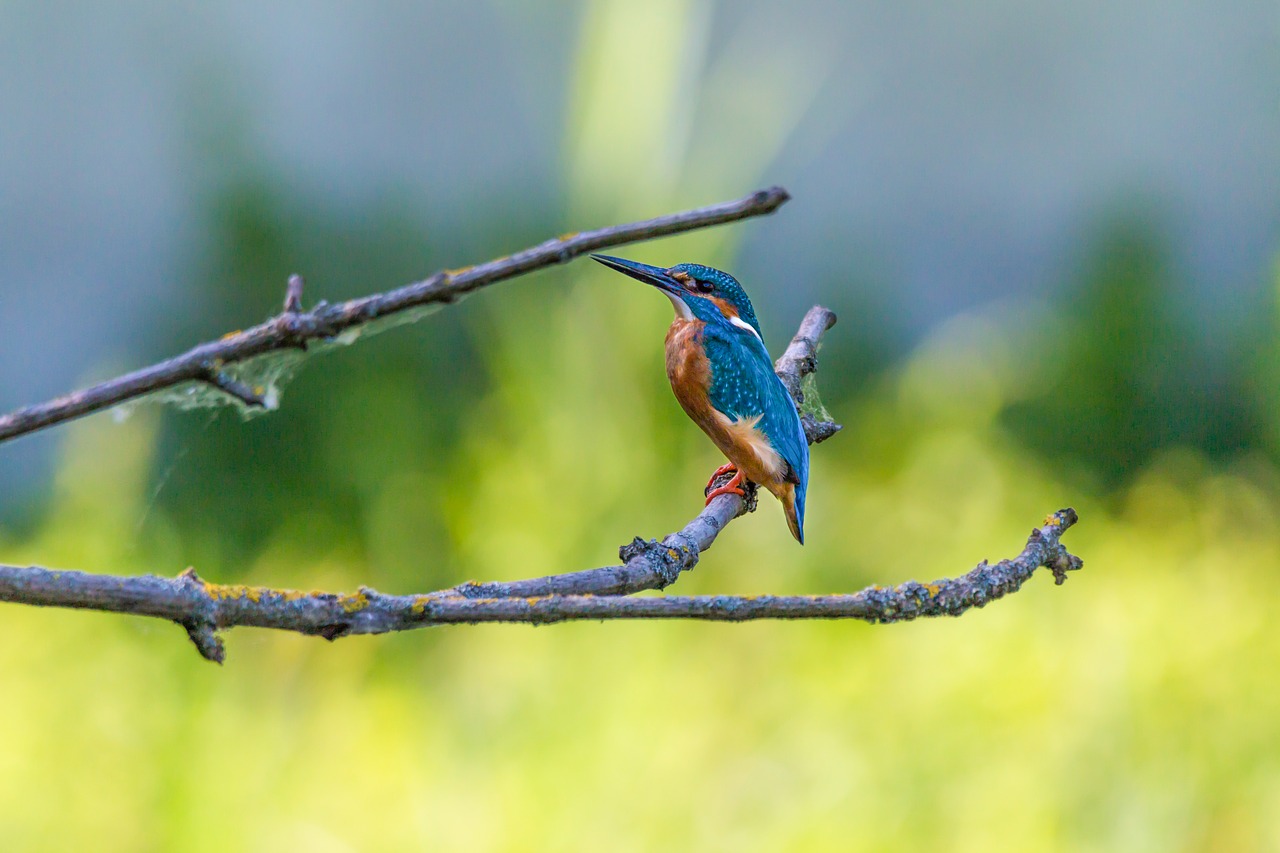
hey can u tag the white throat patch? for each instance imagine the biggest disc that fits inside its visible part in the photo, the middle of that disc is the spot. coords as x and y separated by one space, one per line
682 310
743 324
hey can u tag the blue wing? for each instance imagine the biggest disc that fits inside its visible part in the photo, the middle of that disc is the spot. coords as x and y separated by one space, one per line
743 385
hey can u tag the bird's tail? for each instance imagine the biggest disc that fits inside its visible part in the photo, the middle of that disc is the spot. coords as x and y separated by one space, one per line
793 506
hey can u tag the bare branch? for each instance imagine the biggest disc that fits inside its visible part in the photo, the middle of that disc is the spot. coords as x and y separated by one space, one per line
202 608
294 328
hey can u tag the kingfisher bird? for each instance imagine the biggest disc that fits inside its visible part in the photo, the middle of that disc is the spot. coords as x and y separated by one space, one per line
723 377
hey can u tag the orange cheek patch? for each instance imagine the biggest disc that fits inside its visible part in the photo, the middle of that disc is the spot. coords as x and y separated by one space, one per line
725 308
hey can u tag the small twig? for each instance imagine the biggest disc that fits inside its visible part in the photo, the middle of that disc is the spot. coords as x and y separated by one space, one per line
798 361
294 329
230 385
801 355
293 294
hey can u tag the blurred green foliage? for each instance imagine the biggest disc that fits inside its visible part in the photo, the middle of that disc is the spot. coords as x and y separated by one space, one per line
1127 376
1132 709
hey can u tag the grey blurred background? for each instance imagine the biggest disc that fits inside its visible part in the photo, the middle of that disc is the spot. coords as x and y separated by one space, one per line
940 158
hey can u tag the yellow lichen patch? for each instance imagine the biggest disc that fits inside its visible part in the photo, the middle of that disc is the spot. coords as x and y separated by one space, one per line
354 601
229 591
230 335
460 270
1051 520
568 235
420 605
932 587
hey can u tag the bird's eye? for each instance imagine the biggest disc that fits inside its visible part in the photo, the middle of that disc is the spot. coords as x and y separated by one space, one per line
705 287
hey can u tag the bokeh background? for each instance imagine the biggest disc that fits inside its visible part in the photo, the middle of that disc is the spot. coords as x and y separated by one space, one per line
1049 231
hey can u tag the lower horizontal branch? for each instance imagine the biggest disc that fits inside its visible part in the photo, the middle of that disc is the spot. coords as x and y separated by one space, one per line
203 608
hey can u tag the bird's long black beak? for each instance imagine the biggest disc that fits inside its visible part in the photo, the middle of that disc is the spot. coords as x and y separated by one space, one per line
656 276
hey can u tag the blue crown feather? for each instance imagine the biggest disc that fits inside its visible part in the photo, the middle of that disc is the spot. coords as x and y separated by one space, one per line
727 288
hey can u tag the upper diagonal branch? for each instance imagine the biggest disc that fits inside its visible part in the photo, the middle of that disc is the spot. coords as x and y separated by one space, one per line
294 328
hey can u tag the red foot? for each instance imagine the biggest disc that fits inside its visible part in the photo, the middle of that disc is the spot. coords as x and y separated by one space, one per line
733 487
723 469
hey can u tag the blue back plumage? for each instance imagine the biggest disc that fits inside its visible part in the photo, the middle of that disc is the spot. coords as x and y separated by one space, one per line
743 385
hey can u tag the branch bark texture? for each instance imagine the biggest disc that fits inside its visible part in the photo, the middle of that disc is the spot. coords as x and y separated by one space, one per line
294 328
203 608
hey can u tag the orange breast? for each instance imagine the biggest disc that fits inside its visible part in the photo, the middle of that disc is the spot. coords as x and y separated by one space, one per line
687 365
690 373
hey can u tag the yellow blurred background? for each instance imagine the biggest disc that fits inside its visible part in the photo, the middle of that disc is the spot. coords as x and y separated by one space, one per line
529 430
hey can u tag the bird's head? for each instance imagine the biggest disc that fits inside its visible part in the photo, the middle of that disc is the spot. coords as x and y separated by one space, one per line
695 290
